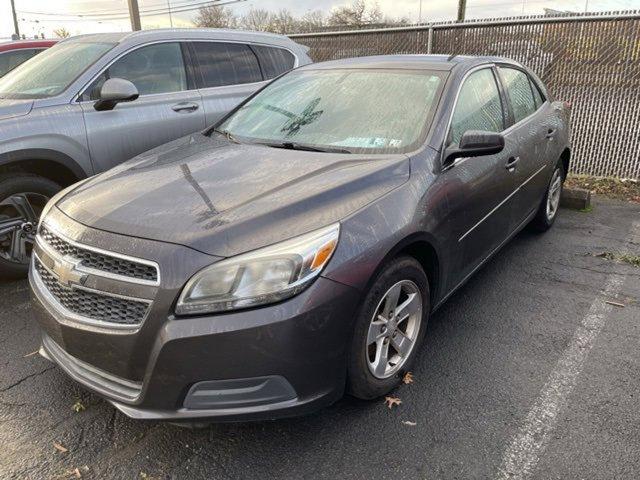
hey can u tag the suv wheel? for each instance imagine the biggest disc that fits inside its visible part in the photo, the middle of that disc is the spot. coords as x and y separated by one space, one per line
389 329
22 198
548 210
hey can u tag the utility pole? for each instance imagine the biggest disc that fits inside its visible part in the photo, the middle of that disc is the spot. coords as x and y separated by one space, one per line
15 19
169 7
462 7
420 13
134 13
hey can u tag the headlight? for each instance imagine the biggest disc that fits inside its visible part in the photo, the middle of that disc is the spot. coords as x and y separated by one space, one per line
263 276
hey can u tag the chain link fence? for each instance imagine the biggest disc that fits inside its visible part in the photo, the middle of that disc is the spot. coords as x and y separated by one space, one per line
591 61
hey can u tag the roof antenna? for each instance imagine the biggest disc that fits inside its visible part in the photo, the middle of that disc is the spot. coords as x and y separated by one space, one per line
452 56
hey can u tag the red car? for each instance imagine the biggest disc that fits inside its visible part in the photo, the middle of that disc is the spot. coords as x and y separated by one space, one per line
14 53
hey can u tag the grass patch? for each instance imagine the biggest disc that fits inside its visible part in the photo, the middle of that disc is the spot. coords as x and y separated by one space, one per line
620 189
589 209
633 260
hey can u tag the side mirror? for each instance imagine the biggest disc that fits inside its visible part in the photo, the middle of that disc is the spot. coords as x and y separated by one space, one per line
114 91
475 143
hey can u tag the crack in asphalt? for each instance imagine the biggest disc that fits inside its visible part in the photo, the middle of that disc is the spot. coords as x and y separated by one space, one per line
23 379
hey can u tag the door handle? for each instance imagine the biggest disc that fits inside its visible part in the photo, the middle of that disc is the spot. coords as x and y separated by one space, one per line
511 163
185 107
550 133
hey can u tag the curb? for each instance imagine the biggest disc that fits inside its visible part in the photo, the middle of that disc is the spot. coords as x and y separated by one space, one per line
575 198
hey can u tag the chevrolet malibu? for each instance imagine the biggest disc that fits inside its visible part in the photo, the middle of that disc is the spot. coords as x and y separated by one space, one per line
295 250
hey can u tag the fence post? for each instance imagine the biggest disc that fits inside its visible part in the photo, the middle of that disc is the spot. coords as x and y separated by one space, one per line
429 40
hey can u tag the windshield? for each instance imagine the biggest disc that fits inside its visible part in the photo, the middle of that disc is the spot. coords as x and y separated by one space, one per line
382 111
52 71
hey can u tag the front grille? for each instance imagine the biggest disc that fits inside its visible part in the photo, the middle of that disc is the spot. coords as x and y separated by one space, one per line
99 261
93 305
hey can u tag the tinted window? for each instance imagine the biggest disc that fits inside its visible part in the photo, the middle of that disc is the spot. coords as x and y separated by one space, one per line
274 61
10 60
152 69
479 106
519 92
226 64
360 110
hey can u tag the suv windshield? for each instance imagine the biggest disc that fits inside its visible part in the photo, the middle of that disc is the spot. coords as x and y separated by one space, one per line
381 111
52 71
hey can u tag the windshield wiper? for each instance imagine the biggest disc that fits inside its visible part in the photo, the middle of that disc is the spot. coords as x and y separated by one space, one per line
308 148
227 134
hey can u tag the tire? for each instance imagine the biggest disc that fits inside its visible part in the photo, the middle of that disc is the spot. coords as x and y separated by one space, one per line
37 190
362 381
546 216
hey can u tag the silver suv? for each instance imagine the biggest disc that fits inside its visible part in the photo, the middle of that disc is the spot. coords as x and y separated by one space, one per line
59 122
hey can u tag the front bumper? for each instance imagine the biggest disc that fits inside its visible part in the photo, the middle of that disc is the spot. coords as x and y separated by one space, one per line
277 361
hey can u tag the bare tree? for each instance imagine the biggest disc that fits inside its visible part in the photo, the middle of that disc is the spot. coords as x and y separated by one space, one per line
61 32
284 22
257 19
312 21
358 14
215 17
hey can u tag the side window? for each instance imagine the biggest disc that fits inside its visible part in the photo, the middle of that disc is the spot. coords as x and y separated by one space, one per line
478 107
157 68
536 94
274 61
518 88
226 64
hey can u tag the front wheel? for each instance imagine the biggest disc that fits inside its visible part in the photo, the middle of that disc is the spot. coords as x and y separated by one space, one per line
548 210
22 198
389 329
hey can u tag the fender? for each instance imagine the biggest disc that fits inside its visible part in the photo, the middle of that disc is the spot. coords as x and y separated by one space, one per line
44 154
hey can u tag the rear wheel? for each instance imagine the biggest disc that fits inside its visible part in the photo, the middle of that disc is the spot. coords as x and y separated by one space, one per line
22 198
548 210
389 329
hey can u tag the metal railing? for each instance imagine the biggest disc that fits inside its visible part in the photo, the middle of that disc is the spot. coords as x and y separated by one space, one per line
591 61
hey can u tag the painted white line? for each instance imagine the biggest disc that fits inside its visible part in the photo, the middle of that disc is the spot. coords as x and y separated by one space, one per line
522 455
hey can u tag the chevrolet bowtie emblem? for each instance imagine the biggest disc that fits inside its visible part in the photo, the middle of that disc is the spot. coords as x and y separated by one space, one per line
67 274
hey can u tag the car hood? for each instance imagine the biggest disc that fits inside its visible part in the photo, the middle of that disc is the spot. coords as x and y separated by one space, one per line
14 108
223 198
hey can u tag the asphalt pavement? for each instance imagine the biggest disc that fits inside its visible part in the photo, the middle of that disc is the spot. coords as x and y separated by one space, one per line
529 371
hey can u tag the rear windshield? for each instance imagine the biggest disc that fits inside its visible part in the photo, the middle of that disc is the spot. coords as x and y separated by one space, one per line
52 71
381 111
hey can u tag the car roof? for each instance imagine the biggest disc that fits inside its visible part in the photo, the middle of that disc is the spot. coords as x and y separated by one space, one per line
20 44
142 36
409 62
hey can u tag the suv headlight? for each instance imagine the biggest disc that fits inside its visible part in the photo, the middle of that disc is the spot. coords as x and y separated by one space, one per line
263 276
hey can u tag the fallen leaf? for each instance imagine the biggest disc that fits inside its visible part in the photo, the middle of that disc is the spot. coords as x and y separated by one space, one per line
408 378
31 354
78 407
391 401
411 424
615 304
77 473
60 448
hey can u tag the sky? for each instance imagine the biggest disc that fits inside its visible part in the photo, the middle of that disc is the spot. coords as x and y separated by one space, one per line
44 16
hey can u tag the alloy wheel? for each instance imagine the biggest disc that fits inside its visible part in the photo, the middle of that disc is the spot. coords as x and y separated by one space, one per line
553 196
19 215
394 329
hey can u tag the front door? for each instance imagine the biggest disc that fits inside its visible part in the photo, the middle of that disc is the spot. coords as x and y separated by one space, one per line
479 190
166 109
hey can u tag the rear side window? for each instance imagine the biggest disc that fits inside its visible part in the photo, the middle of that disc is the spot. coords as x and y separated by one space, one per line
10 60
226 64
478 107
519 92
157 68
537 96
274 61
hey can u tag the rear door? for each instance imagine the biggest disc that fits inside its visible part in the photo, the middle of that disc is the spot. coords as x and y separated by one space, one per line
530 130
228 72
169 105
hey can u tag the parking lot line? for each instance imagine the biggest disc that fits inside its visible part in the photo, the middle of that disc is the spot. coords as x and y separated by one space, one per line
523 453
